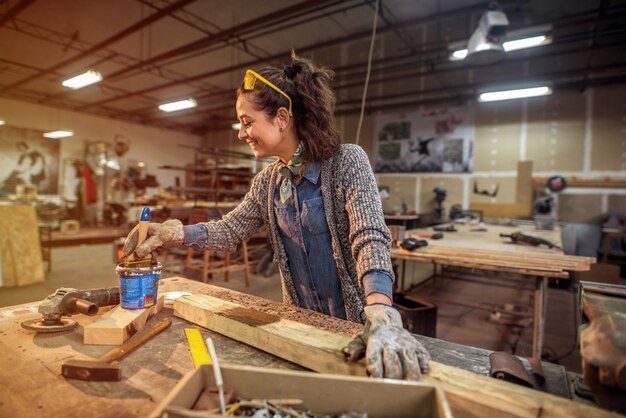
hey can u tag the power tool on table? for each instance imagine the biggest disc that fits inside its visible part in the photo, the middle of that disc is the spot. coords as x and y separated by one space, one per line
525 237
67 301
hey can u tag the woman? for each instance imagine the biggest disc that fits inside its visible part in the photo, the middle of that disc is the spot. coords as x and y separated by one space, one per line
320 205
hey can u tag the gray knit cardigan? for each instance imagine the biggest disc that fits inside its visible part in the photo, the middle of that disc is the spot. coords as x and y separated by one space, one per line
360 238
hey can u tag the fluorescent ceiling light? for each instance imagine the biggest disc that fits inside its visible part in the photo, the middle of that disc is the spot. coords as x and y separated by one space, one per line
85 79
513 45
236 126
514 94
2 122
58 134
179 105
525 43
459 54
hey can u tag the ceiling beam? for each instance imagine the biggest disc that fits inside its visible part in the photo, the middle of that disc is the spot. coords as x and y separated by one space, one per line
301 50
118 36
14 11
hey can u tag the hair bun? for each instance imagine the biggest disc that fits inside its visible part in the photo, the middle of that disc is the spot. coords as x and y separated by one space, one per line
290 72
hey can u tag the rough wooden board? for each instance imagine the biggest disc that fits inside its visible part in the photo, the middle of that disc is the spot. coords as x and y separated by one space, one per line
315 319
19 246
469 394
119 324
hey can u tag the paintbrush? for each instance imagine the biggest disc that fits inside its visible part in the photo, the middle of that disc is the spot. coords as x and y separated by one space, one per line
142 233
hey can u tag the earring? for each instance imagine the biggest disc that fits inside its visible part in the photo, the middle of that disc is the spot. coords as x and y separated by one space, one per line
281 129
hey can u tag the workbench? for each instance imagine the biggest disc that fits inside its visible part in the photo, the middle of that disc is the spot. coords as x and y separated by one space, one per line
477 248
30 365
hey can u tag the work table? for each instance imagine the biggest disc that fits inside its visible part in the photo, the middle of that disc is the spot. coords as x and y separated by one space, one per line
30 366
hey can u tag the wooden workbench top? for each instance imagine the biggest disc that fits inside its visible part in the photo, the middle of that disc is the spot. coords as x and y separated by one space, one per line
472 248
30 366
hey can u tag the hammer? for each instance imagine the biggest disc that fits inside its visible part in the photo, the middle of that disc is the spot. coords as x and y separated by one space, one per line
100 370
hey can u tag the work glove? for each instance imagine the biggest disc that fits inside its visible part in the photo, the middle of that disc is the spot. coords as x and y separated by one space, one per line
390 350
167 234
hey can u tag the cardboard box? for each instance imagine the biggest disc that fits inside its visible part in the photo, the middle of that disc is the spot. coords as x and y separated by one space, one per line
320 393
600 273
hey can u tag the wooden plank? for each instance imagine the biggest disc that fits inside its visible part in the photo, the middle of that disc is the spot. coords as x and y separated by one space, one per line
20 250
529 260
119 324
524 191
469 394
473 263
503 210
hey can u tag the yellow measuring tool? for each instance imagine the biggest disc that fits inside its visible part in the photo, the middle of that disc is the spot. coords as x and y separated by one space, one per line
199 352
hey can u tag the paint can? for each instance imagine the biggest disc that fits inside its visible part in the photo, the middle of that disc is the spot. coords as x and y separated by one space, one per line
138 285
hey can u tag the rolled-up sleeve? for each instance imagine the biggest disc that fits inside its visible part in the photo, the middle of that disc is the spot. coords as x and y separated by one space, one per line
378 281
195 235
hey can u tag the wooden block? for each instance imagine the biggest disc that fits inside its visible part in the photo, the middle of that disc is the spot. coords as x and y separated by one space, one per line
119 324
524 192
469 394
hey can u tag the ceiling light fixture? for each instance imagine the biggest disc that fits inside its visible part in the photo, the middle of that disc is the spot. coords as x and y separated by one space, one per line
512 45
524 43
179 105
493 96
236 126
485 44
2 122
83 80
58 134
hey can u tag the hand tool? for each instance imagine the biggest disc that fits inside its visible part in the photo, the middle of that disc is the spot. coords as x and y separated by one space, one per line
67 301
525 237
101 369
449 228
198 350
435 235
217 372
142 234
411 244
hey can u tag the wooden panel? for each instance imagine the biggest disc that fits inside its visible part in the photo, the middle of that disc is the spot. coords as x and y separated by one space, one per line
469 394
608 129
401 189
498 127
119 324
556 131
20 249
617 203
524 190
453 186
579 208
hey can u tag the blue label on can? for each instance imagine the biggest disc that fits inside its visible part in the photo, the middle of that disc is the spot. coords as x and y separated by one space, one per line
137 292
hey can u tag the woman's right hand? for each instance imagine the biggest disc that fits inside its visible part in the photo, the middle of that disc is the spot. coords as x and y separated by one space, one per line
167 234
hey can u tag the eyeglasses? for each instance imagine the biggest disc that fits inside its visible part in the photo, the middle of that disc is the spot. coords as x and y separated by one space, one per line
250 83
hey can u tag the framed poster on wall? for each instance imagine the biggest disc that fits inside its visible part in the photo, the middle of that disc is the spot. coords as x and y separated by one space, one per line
26 157
439 140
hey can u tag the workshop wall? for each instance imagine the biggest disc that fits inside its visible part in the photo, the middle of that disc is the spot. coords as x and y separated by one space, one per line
153 146
580 135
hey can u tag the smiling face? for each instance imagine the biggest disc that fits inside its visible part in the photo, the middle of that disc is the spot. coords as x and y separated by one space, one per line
263 133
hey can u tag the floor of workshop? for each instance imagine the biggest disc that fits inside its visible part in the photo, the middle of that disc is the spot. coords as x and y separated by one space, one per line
92 266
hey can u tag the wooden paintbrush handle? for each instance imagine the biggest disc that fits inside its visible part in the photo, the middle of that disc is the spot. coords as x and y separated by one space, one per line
135 341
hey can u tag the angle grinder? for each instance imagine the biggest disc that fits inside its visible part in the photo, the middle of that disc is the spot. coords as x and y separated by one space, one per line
68 301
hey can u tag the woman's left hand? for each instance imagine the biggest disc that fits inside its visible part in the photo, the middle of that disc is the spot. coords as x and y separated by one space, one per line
390 350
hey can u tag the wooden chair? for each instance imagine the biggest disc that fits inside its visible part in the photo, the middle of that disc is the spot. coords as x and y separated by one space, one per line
208 267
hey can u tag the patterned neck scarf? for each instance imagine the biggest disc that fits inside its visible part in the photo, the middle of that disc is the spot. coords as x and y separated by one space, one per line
289 171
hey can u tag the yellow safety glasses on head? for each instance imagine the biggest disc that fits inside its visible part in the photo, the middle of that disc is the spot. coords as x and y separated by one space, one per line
250 83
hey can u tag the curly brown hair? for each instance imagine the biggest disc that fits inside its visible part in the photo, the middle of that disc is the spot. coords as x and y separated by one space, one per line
313 106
